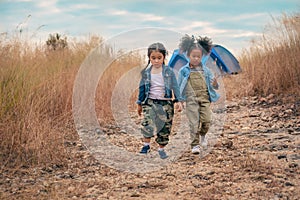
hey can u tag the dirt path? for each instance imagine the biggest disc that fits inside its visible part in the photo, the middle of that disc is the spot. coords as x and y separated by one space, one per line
256 157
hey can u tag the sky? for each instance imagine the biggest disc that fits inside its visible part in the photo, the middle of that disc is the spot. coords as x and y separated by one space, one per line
231 23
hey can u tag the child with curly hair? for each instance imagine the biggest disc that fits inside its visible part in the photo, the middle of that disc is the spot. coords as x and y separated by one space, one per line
197 88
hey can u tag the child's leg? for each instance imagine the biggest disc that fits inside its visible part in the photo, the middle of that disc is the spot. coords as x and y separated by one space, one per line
205 118
146 141
193 115
147 122
165 113
164 123
147 127
204 128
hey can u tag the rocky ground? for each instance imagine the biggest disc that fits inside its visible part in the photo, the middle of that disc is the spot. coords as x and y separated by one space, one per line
257 156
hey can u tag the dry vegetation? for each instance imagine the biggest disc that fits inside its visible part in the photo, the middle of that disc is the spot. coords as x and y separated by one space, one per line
36 92
36 100
272 63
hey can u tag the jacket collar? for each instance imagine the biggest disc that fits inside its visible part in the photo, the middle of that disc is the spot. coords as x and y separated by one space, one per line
149 67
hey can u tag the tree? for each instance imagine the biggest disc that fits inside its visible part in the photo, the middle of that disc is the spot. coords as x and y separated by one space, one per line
56 42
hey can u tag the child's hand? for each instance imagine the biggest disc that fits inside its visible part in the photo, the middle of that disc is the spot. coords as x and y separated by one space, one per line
139 109
214 82
178 106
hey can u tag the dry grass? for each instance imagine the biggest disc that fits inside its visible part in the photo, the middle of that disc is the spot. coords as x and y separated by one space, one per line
108 82
36 100
272 63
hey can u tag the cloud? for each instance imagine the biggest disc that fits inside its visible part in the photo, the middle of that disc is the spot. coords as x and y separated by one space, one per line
81 6
245 34
118 12
227 23
248 16
194 25
142 17
50 6
21 0
49 3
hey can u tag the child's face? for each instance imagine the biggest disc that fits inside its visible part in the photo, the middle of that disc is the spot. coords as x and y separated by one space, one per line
195 57
156 59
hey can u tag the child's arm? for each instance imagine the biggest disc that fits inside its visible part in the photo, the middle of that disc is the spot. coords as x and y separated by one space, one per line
175 87
141 95
139 109
176 91
213 80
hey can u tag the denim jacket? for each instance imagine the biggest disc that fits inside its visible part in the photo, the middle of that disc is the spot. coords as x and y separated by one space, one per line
183 76
169 81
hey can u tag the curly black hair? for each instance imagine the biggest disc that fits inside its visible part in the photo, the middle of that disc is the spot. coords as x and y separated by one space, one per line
188 43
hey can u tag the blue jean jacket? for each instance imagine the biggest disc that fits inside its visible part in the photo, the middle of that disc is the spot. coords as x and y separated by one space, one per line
169 81
183 76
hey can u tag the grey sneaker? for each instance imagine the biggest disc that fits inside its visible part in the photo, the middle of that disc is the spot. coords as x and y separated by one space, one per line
162 154
196 149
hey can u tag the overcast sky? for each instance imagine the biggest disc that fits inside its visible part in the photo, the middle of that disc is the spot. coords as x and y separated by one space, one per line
231 23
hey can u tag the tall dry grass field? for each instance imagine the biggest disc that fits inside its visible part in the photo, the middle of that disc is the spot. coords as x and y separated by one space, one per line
272 62
36 100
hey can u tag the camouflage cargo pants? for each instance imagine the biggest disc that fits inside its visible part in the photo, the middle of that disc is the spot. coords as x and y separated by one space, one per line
158 116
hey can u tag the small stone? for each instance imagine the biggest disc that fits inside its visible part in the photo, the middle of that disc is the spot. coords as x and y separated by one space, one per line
288 184
278 175
294 157
263 100
292 188
135 194
255 114
281 156
210 172
246 128
98 131
46 184
293 165
271 96
288 111
227 143
267 181
71 188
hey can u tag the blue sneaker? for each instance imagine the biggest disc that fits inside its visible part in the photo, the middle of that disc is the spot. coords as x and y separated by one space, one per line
145 149
162 154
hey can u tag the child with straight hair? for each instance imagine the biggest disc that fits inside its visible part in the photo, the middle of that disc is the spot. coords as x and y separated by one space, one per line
197 88
157 88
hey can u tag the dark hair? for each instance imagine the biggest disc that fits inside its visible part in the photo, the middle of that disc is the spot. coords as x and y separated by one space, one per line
157 47
188 43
